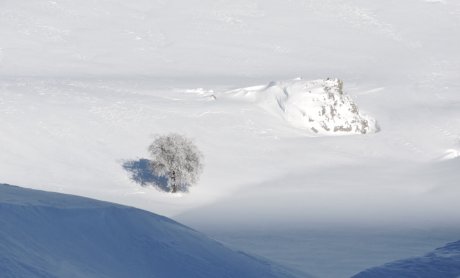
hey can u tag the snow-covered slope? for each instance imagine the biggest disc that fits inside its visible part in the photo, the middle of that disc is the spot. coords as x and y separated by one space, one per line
85 85
442 262
47 235
319 105
226 38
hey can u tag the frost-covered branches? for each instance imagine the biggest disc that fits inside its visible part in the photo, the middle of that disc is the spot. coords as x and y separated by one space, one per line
177 158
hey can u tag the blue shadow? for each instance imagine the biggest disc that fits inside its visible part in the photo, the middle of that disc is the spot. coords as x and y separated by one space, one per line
142 173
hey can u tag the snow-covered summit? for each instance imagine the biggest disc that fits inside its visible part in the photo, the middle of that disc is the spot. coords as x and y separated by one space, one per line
320 105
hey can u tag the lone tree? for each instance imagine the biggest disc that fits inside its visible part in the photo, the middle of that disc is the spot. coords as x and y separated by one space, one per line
177 158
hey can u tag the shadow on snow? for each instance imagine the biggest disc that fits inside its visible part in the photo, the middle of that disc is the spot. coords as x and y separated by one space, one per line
142 173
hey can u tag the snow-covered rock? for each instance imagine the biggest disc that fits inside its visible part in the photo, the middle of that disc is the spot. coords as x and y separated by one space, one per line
451 154
47 235
442 262
320 106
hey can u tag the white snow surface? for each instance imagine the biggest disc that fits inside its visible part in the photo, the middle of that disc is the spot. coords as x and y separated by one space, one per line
451 154
85 86
48 235
319 106
442 262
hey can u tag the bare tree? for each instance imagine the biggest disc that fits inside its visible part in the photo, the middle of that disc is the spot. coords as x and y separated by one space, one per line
177 158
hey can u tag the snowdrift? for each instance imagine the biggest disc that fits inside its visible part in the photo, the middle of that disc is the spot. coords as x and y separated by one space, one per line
46 234
442 262
319 105
451 154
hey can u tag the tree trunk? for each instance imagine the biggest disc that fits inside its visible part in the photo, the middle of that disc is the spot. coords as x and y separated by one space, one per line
173 182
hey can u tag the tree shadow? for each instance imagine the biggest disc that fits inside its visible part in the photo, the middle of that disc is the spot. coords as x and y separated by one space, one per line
142 173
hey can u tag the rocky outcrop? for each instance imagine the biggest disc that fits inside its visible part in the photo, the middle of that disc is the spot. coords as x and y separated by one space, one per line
320 106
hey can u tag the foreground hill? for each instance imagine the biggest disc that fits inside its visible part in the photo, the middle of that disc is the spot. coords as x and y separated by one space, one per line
442 262
46 234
